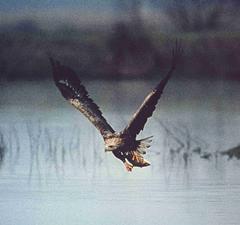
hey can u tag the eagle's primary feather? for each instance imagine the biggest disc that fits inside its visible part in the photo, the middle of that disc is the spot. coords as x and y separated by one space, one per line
148 106
72 90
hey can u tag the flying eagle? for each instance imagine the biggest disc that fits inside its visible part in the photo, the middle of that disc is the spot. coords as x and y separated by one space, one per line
124 144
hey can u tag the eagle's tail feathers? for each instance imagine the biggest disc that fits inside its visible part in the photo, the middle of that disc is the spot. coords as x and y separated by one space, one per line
144 144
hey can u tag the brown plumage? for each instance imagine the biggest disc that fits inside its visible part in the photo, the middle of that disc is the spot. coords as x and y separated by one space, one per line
124 144
73 90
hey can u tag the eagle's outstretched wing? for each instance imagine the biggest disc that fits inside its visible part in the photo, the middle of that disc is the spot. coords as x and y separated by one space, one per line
73 90
149 104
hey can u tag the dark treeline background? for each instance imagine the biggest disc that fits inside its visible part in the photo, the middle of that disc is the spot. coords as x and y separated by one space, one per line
120 39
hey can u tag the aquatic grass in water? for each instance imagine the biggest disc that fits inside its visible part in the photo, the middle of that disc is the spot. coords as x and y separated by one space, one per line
2 148
57 152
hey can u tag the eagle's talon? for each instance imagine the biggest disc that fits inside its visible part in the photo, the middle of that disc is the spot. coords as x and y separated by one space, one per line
128 165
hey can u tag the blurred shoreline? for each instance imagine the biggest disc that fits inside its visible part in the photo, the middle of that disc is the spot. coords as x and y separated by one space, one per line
134 43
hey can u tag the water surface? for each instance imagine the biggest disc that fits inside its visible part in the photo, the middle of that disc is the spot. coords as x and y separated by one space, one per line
54 169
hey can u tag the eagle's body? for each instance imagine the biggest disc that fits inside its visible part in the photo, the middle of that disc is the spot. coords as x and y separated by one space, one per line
123 145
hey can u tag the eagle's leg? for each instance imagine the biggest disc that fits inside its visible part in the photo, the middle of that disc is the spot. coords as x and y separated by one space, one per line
128 165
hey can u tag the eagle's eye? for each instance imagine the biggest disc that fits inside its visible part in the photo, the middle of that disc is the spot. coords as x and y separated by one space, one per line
110 146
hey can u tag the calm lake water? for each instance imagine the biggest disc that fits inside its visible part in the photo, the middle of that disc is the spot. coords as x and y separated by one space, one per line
53 168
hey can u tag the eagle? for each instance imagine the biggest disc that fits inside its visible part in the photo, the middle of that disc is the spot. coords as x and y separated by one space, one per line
124 145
